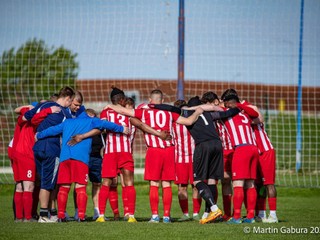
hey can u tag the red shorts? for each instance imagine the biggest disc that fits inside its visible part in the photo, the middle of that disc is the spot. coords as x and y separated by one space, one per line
227 160
24 168
73 171
244 162
113 162
160 164
184 173
14 164
267 167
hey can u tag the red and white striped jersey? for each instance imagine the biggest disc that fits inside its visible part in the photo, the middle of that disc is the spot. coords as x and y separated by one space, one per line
117 142
224 136
159 120
184 144
239 127
263 142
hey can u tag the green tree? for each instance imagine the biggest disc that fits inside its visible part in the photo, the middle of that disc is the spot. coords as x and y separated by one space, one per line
34 72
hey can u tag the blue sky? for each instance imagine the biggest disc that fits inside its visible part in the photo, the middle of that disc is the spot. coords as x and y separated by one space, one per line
239 40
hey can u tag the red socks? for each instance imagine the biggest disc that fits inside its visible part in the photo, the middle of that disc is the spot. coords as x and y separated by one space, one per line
272 204
27 204
184 205
103 196
18 204
124 201
82 199
131 199
62 201
167 200
238 197
196 204
113 199
154 199
227 205
251 202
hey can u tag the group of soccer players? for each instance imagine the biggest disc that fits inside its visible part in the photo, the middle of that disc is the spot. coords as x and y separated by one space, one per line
199 142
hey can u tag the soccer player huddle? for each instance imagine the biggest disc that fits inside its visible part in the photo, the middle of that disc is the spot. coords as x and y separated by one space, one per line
200 141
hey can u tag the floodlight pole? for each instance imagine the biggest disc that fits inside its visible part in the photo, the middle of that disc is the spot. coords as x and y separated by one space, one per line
299 97
180 82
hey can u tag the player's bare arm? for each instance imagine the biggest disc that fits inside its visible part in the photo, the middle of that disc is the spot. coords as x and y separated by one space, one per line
79 137
164 135
191 119
121 110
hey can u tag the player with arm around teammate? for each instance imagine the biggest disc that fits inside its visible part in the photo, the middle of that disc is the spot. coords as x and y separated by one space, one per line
74 159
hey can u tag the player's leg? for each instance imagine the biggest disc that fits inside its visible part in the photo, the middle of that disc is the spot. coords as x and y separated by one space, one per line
18 202
124 199
95 199
196 200
227 184
28 187
272 202
251 200
113 199
108 172
79 176
62 201
95 165
183 202
130 192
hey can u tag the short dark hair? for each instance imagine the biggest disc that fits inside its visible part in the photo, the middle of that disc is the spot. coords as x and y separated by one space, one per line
209 97
116 95
227 92
78 96
91 111
180 103
66 92
130 101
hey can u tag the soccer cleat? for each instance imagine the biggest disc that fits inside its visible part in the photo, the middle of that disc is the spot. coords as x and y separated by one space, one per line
271 219
100 219
196 217
132 220
17 220
46 220
95 217
154 219
54 218
68 218
234 221
166 220
184 218
248 220
116 217
211 217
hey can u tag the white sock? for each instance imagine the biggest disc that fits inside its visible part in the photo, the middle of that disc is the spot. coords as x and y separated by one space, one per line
154 215
186 214
96 211
195 214
262 213
214 208
273 214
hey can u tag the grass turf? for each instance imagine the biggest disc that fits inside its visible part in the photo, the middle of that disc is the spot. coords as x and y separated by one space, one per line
297 208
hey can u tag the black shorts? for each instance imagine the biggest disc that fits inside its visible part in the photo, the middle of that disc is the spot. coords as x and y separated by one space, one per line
95 165
208 160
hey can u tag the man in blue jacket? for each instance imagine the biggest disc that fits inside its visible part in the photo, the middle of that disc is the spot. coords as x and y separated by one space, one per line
74 159
47 152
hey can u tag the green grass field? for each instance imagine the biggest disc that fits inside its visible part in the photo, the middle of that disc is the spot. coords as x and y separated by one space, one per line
297 208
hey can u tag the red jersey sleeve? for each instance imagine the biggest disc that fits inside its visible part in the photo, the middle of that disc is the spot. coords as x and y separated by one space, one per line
138 113
40 116
250 111
175 116
103 114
